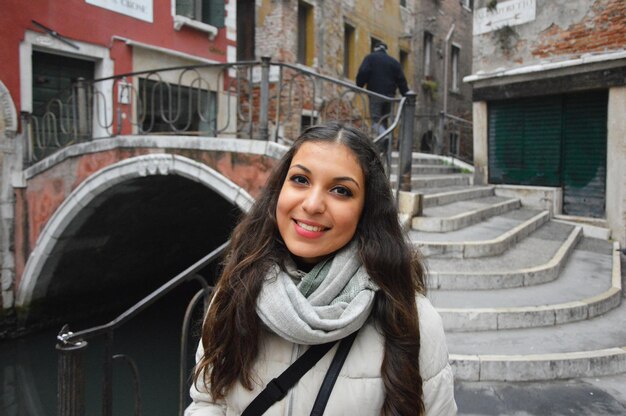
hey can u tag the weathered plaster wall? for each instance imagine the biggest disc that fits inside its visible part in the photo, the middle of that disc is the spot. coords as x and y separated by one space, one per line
562 29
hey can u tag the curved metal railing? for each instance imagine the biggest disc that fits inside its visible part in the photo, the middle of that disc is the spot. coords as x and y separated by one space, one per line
71 346
251 99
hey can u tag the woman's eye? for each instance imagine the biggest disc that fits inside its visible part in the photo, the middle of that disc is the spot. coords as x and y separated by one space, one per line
299 179
342 190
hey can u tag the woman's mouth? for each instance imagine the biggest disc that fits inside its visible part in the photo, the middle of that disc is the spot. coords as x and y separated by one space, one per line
309 227
309 230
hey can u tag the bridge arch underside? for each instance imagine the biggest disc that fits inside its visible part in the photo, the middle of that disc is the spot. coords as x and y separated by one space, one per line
126 242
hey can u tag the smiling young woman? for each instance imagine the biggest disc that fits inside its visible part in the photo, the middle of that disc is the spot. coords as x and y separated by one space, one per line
320 257
320 203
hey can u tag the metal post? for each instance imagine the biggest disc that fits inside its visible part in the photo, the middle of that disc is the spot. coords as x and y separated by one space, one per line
265 94
107 385
405 157
70 375
82 110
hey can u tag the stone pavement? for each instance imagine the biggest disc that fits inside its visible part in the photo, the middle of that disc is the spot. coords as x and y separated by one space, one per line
602 396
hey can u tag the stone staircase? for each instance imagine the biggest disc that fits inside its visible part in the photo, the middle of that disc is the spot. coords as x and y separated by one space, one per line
522 296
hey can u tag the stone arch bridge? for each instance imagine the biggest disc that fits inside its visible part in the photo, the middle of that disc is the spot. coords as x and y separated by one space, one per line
82 214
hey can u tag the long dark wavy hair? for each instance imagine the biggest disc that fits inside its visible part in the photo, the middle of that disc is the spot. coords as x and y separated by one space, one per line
231 330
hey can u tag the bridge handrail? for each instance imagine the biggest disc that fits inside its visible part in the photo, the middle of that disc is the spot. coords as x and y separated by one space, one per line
185 102
157 294
71 345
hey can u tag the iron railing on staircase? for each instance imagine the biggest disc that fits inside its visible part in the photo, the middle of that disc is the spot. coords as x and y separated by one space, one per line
71 347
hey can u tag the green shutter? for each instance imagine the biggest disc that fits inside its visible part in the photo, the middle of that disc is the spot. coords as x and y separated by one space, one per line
213 12
542 141
584 167
524 141
553 141
505 142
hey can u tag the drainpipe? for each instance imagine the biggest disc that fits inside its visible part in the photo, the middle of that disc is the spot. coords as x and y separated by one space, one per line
442 115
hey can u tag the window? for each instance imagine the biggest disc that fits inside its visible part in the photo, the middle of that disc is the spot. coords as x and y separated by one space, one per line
167 107
404 61
428 47
348 51
454 143
467 4
210 12
455 68
307 120
306 47
246 24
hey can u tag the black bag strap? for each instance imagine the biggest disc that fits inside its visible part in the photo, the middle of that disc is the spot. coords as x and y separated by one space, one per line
332 374
277 389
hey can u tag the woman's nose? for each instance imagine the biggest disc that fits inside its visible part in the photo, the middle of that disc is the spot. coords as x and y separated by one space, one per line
313 202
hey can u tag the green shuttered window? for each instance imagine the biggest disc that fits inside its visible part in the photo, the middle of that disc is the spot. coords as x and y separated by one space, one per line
557 141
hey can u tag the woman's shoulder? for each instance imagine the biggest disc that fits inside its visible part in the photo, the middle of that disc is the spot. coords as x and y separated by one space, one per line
433 350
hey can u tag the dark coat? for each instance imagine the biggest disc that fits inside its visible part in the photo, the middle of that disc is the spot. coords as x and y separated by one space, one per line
382 74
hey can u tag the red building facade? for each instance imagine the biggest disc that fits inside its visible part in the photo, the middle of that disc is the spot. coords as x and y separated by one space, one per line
46 44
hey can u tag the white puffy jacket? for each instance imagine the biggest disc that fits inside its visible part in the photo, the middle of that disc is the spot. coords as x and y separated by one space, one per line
359 388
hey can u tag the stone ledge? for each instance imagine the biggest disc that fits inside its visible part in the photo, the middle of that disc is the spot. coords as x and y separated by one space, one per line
535 367
500 280
480 319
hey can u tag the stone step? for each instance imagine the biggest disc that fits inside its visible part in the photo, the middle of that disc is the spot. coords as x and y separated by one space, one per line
462 214
420 159
428 169
590 347
435 181
487 238
536 259
585 289
442 196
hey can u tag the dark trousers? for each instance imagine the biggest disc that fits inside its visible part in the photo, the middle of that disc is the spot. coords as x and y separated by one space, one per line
380 111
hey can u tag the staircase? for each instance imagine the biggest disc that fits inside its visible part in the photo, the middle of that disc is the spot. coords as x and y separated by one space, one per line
522 296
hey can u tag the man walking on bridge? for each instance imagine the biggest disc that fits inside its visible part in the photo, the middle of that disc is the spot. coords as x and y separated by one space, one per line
383 75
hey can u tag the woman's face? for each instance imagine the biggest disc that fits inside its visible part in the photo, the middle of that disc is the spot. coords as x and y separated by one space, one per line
321 200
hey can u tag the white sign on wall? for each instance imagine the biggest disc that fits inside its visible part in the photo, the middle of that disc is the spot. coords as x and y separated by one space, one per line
139 9
507 13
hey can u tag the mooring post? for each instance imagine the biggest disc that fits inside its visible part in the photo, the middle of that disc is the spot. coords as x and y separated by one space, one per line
70 375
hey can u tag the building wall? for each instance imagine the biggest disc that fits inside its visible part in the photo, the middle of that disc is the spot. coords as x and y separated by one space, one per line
78 21
440 18
277 30
563 46
561 30
401 27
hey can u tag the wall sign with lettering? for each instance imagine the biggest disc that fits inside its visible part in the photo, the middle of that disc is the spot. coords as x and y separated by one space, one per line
507 13
139 9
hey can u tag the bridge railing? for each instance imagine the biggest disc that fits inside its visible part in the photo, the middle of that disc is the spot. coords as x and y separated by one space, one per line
71 347
252 99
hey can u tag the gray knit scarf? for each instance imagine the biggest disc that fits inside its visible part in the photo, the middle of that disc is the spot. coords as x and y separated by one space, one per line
336 306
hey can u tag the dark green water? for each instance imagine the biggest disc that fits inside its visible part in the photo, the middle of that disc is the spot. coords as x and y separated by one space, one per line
28 366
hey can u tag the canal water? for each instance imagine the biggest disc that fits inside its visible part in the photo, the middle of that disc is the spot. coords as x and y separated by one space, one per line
28 366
